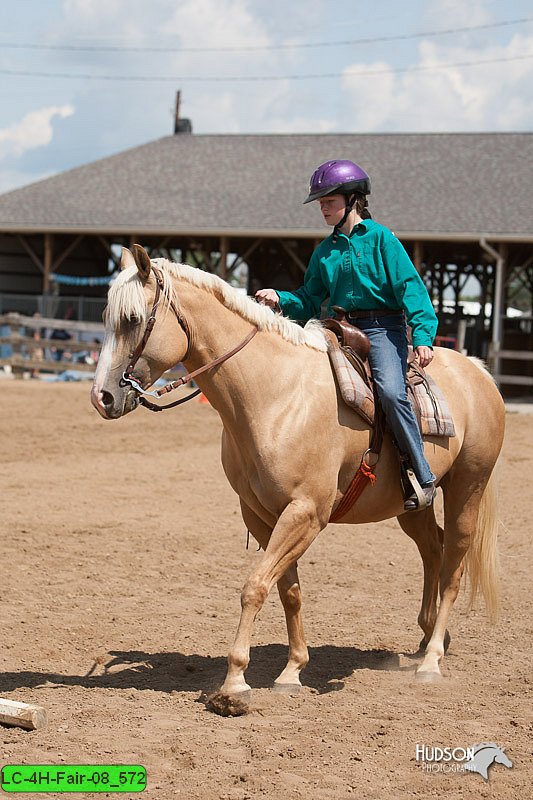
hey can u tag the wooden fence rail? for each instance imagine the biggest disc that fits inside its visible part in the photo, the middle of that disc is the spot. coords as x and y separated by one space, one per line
29 349
36 323
514 380
27 344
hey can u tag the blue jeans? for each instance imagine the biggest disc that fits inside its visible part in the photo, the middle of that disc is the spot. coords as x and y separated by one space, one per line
388 360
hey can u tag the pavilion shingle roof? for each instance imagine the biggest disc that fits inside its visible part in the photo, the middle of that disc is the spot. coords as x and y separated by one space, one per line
454 184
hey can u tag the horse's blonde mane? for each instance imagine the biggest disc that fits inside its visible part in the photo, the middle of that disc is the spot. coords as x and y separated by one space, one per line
126 300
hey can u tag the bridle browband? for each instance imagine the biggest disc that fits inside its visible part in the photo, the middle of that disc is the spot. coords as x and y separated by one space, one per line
127 377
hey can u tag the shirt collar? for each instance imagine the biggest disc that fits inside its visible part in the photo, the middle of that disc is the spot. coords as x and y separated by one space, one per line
362 226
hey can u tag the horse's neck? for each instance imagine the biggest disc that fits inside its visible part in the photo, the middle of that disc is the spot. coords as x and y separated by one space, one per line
214 328
217 330
248 382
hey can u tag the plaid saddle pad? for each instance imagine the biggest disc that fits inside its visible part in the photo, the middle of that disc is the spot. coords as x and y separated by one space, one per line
429 404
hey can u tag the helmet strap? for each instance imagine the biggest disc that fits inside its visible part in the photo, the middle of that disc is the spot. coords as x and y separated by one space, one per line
350 202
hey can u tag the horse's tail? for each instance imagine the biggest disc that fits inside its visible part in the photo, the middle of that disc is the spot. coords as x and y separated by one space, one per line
481 560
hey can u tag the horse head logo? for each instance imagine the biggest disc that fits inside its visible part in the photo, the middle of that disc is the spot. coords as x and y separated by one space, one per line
485 754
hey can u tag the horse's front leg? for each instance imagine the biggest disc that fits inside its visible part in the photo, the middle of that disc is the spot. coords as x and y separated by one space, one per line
295 530
291 599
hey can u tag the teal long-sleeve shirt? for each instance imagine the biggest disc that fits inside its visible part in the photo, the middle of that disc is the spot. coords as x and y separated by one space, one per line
369 269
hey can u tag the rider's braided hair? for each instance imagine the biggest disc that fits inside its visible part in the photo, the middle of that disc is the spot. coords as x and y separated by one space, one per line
361 206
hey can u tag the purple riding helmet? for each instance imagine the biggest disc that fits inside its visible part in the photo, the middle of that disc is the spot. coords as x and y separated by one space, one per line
337 177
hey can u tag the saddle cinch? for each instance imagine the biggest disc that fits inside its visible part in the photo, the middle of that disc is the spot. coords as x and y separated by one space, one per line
348 349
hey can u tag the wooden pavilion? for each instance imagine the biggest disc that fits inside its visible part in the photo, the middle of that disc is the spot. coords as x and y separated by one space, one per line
232 204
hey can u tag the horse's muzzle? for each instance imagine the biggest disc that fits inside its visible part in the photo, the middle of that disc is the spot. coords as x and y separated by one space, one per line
111 407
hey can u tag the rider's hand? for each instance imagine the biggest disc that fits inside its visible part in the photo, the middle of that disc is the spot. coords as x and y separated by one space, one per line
268 297
424 355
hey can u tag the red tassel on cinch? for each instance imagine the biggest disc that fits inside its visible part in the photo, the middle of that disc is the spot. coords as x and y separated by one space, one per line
362 478
367 471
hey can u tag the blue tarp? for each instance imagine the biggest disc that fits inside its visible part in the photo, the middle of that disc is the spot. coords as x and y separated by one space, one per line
81 280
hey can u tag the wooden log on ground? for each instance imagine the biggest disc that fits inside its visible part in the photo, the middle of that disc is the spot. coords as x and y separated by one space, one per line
22 715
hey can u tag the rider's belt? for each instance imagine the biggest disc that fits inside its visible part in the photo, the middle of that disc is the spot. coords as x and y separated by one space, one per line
370 313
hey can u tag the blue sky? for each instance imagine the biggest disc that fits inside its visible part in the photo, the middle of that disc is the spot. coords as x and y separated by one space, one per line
241 67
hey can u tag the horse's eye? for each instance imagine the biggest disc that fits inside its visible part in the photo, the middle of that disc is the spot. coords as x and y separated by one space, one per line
134 320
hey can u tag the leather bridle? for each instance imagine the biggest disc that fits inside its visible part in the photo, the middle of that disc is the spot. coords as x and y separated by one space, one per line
127 377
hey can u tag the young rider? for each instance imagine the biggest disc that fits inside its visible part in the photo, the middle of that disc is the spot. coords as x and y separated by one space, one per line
363 268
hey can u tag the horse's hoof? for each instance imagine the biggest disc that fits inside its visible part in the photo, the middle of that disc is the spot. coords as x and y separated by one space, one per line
287 688
423 676
229 705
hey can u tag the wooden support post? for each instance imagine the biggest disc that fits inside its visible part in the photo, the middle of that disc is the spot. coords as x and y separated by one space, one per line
223 262
498 304
48 259
461 335
418 255
16 352
22 715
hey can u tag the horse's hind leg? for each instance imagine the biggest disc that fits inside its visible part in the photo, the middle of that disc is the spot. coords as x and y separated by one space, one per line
422 527
461 508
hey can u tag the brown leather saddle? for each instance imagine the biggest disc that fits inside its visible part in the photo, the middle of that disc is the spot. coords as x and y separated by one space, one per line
356 346
348 335
352 341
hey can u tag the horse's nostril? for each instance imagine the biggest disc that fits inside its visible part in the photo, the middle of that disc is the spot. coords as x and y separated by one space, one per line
107 399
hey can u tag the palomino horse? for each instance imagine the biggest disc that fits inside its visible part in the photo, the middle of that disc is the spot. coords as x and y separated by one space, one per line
290 446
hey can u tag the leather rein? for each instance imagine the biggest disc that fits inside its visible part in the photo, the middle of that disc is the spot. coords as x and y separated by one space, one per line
127 377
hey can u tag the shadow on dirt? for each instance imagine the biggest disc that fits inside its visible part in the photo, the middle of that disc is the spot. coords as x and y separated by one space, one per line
168 672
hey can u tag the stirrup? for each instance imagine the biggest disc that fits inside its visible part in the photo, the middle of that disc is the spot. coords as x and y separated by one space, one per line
420 498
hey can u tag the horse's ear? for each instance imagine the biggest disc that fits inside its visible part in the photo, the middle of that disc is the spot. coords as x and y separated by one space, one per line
142 260
126 259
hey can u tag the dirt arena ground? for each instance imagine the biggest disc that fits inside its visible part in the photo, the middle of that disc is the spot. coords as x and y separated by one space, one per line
122 558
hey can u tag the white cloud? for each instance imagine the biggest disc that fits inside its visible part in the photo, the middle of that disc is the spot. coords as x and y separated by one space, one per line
81 12
454 13
231 107
212 106
431 97
216 23
34 130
